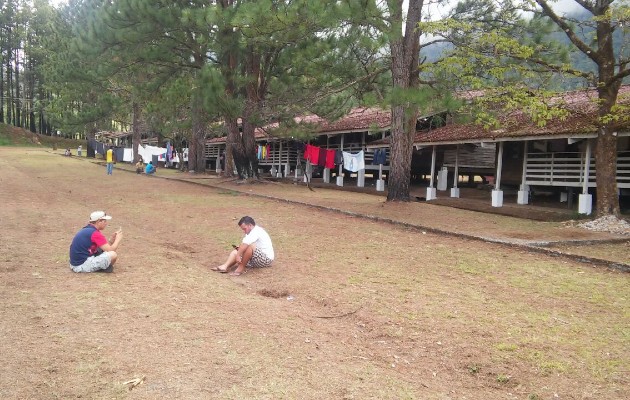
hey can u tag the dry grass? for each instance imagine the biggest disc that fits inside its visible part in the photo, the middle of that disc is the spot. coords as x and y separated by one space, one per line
351 309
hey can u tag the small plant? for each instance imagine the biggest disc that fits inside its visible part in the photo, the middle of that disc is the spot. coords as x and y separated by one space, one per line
474 368
507 347
533 396
503 378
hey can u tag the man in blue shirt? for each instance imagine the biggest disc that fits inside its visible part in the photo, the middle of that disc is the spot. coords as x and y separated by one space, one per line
150 168
90 251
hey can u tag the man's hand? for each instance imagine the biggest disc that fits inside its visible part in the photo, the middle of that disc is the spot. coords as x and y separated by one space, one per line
116 237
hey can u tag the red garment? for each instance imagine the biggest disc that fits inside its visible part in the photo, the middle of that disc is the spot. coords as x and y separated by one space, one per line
330 159
313 155
307 151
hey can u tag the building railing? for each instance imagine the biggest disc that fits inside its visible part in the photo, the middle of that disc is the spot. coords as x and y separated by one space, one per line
567 169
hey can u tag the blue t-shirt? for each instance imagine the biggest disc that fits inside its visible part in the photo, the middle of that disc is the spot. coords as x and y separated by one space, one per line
85 244
149 169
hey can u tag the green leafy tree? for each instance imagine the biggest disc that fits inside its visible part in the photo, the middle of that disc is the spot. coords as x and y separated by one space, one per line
519 60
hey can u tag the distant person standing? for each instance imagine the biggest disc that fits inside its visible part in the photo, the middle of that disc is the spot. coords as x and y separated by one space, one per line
79 150
109 158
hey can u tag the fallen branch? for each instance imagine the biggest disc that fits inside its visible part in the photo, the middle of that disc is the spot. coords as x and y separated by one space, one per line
134 382
338 316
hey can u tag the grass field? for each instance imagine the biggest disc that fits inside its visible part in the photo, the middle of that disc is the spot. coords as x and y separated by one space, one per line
352 308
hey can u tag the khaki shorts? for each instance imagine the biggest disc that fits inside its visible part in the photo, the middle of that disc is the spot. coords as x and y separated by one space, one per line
93 263
259 260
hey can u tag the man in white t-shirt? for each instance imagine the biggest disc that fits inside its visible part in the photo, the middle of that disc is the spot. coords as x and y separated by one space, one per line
256 250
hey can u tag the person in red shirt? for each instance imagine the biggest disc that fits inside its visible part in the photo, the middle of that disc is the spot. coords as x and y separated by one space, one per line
90 251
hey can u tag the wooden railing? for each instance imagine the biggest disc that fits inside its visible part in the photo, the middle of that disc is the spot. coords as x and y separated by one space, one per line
567 169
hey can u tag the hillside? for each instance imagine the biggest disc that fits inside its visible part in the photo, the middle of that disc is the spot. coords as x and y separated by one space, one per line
19 137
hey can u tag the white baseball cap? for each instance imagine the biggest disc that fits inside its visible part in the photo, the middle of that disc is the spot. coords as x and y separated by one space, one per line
98 215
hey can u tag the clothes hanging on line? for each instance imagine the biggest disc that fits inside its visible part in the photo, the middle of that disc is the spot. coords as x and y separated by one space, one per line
321 161
380 157
353 162
338 157
330 159
311 153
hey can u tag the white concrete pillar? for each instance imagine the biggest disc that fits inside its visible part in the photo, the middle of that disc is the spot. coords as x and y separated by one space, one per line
326 176
442 183
497 198
339 181
523 195
287 169
380 182
431 193
455 189
523 192
497 193
585 204
361 178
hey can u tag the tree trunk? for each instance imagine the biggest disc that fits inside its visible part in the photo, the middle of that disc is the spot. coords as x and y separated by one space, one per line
232 136
250 165
196 146
607 200
404 58
18 102
136 136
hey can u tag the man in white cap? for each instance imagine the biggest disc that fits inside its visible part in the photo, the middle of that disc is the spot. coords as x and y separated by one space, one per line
90 251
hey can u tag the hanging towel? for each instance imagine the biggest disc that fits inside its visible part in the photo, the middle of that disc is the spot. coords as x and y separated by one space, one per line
330 159
321 161
353 162
313 155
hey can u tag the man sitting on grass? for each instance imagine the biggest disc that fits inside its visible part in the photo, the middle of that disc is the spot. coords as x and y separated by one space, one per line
90 251
255 251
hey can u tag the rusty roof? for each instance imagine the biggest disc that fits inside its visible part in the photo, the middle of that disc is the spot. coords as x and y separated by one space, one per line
581 121
358 119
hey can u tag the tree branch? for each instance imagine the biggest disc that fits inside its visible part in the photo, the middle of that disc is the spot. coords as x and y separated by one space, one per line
584 48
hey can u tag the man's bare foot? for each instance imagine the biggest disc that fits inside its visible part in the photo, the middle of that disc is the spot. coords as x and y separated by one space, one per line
238 272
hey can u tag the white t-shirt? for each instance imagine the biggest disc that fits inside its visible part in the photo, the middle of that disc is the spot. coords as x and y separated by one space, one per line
262 240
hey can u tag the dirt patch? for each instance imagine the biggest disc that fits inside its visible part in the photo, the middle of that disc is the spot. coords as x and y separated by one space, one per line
376 310
274 293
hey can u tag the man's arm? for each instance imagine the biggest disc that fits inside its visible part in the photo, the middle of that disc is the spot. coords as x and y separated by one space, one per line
113 243
240 251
